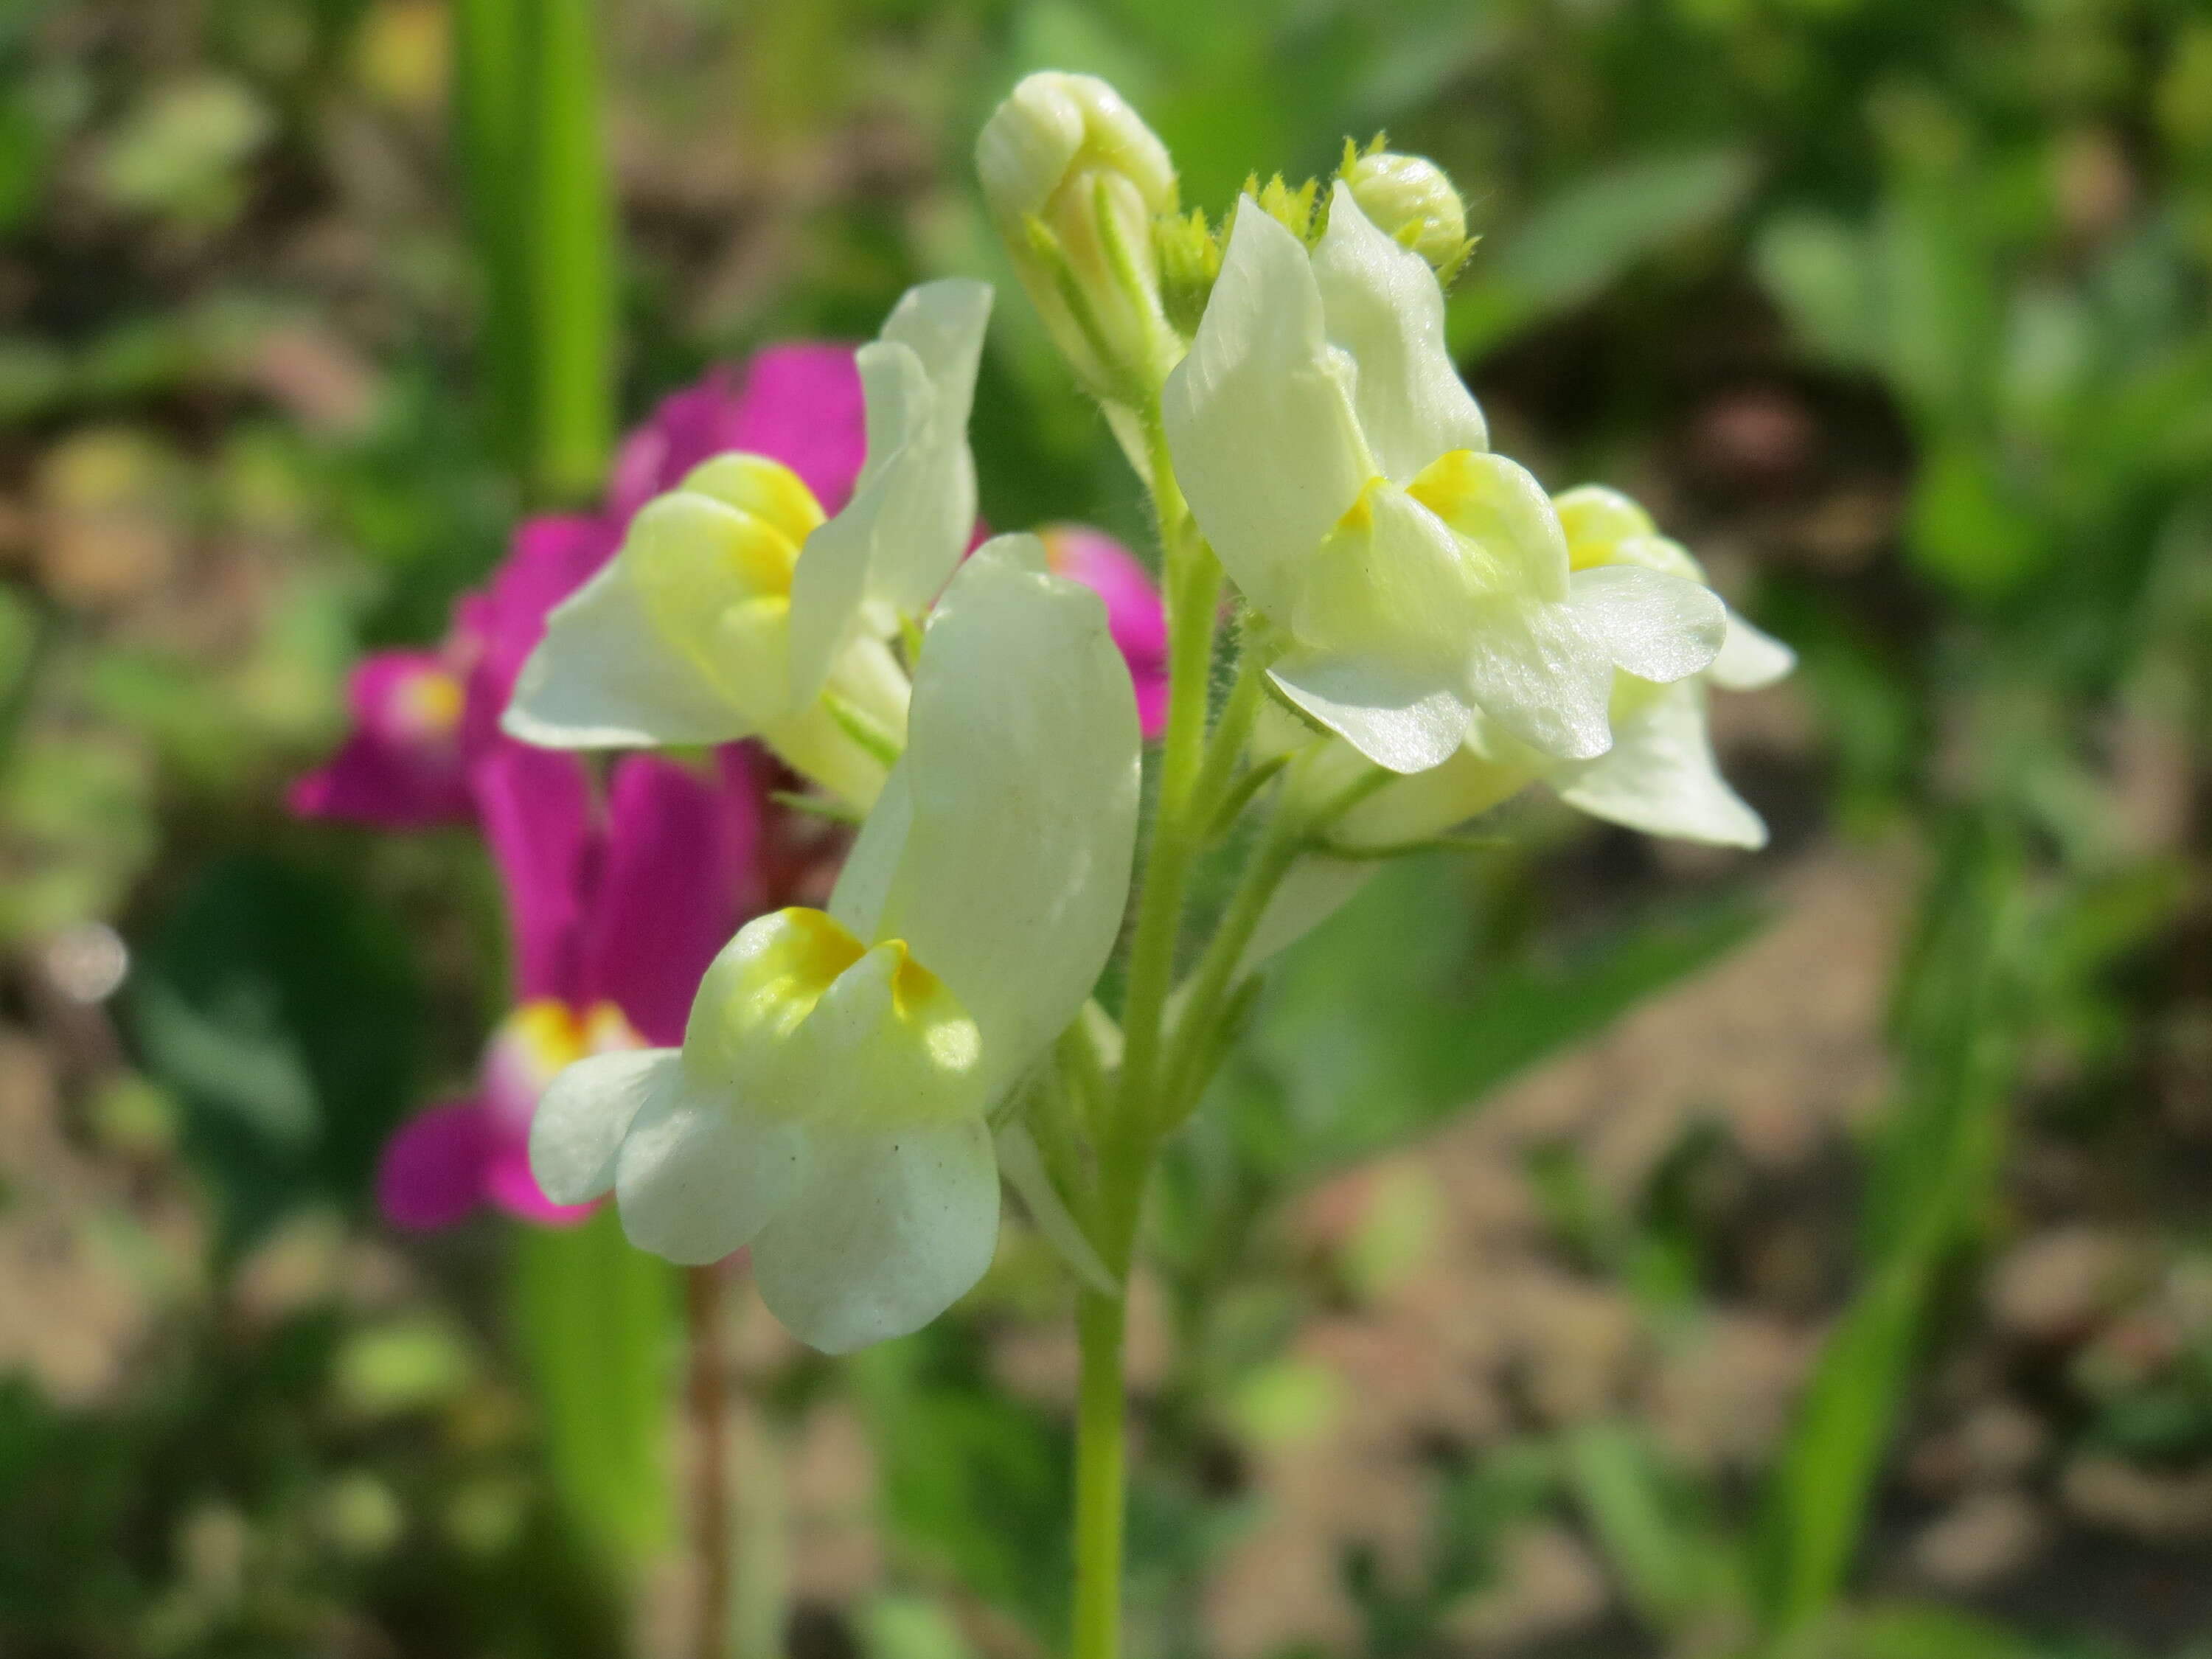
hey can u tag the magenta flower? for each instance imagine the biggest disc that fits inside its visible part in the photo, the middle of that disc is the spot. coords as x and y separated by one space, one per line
420 719
1134 613
617 909
401 767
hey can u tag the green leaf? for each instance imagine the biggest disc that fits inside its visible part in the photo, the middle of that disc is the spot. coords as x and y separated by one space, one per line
282 1009
1907 1630
1970 528
1573 246
1957 1022
1378 1024
1817 269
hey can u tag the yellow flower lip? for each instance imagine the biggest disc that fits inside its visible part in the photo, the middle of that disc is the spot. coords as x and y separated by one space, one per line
813 950
802 1021
1358 518
768 489
1450 484
771 515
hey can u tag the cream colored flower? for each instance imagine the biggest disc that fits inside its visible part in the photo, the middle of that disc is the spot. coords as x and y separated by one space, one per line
1338 467
831 1103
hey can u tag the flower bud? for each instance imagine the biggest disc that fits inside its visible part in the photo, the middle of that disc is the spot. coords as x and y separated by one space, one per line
1409 198
1074 180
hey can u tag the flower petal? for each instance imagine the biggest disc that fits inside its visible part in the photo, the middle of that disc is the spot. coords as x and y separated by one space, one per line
891 550
1749 658
587 1111
1383 305
1022 769
1260 417
432 1170
798 404
1400 719
549 557
605 678
535 806
509 1184
830 586
668 894
882 1233
697 1176
1134 615
1661 776
401 766
1535 670
1656 626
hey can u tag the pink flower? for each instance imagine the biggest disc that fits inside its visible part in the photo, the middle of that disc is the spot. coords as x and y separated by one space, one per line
1133 611
405 764
617 908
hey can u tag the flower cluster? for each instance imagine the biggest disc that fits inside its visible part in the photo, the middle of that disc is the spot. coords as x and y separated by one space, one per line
1422 630
620 890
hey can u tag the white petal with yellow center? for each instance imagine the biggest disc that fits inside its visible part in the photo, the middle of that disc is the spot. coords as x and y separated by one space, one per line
887 555
829 1102
1382 306
1260 417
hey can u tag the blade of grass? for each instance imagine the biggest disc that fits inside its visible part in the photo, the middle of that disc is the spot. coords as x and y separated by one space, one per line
568 248
1957 1030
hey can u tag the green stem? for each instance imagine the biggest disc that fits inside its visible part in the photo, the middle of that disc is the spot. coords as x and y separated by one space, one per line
1126 1142
1100 1456
706 1390
1194 583
1226 749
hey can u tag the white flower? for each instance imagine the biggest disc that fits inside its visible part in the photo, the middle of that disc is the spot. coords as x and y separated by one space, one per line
1337 466
829 1103
1659 776
732 607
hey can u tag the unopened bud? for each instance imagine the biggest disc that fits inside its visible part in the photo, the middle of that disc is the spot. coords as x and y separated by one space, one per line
1074 180
1408 198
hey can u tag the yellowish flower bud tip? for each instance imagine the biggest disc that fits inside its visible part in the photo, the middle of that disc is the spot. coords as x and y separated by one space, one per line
1410 200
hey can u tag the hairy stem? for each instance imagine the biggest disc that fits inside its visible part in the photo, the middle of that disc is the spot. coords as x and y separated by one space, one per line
1216 975
1126 1142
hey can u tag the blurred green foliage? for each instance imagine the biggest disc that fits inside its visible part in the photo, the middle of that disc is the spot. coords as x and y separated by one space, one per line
1899 308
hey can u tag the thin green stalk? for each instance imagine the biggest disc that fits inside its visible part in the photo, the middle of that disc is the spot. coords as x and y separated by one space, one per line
1100 1455
1225 748
706 1396
1216 974
1194 584
1126 1142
